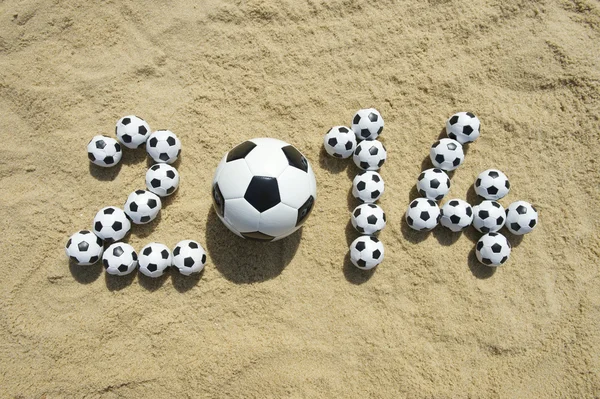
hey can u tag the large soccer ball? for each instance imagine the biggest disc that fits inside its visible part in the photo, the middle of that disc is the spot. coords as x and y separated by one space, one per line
463 127
521 217
493 249
264 189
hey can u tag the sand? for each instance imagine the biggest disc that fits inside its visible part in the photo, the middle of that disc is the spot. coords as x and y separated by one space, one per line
294 318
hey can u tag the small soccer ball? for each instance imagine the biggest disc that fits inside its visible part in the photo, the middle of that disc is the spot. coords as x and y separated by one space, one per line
366 252
189 257
119 259
488 216
367 124
340 142
423 214
521 217
368 186
142 206
104 151
493 249
456 215
368 219
163 146
492 184
84 248
111 224
463 127
433 184
154 259
447 154
132 131
369 155
162 179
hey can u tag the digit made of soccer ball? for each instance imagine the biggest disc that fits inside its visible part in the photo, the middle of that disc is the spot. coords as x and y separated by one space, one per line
189 257
521 217
162 179
367 124
340 142
368 186
84 248
422 214
447 154
142 206
433 184
456 215
493 249
132 131
104 151
111 224
119 259
163 146
366 252
492 184
369 155
368 219
488 216
154 259
463 127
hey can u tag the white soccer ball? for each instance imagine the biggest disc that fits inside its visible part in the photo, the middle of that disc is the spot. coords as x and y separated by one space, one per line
142 206
368 219
111 224
162 179
367 186
132 131
521 217
369 155
463 127
367 124
84 248
189 257
366 252
422 214
119 259
456 215
447 154
340 142
492 184
104 151
264 189
493 249
433 184
154 259
163 146
488 216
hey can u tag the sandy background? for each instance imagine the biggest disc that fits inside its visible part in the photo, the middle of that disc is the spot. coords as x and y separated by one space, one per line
294 319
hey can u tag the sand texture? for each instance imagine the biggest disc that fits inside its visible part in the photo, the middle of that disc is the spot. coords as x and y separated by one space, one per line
295 318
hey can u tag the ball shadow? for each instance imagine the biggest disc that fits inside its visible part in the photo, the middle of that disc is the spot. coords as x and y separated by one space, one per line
514 239
351 201
446 236
168 200
351 233
477 269
443 134
151 162
472 234
472 198
134 156
144 230
185 283
85 274
104 174
412 235
353 274
150 283
117 283
413 194
331 163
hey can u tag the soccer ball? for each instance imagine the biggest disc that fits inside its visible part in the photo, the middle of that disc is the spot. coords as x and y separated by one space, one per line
120 259
367 186
447 154
463 127
104 151
423 214
367 124
154 259
521 217
369 155
366 252
368 219
111 224
488 216
493 249
340 142
84 248
142 206
132 131
492 184
189 257
163 146
433 184
264 189
162 179
456 215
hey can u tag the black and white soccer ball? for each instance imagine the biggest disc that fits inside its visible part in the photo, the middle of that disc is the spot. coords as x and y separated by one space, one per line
463 127
163 146
493 249
340 142
111 224
368 219
84 248
492 184
368 186
162 179
447 154
369 155
422 214
264 189
456 215
366 252
142 206
119 259
433 184
104 151
154 259
132 131
367 124
488 216
189 257
521 217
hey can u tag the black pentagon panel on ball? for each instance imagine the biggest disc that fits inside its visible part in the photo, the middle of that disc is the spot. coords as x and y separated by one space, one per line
98 225
218 200
68 243
133 207
479 245
203 258
469 211
504 259
356 119
295 158
467 130
484 214
163 156
118 251
305 210
139 192
118 147
380 163
486 261
454 119
373 117
145 219
515 226
152 267
409 220
507 184
357 212
452 136
126 138
153 142
478 182
152 203
431 203
109 160
109 211
91 156
83 246
372 219
179 153
193 245
376 254
105 263
155 183
492 190
100 144
74 259
165 254
122 268
332 141
364 165
147 251
424 215
126 121
375 178
240 151
455 219
439 158
485 229
435 144
500 220
456 162
188 262
493 234
496 204
94 259
170 190
453 203
171 141
335 154
384 217
360 246
521 210
422 193
348 145
99 241
496 248
451 146
375 194
361 263
360 229
258 236
374 239
343 130
439 197
532 223
117 226
176 251
372 206
155 167
434 183
365 133
142 130
470 114
263 193
134 256
493 174
170 174
413 204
